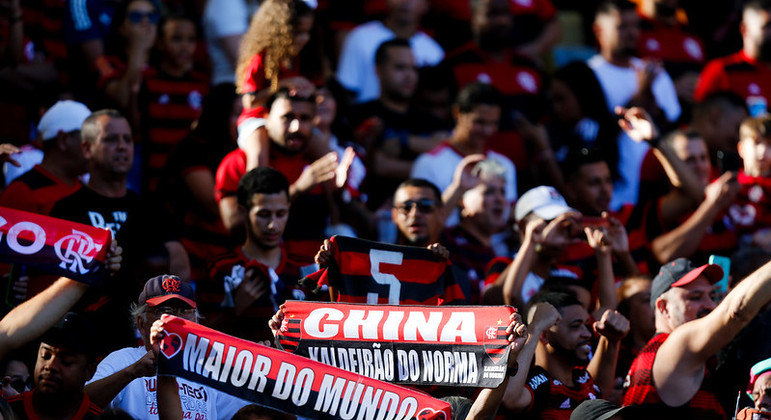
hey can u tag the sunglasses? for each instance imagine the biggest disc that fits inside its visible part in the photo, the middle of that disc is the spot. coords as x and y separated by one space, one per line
424 205
137 17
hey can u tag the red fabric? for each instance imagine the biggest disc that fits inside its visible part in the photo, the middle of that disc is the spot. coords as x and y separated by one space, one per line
751 210
641 390
22 405
233 167
670 43
423 278
511 76
36 191
737 73
255 81
459 9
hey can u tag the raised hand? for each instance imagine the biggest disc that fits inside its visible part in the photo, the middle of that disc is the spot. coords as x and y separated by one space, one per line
275 322
322 170
324 256
543 316
612 326
439 250
517 336
637 124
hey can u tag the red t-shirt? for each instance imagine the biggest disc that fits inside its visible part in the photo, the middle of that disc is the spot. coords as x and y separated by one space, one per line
233 167
255 81
736 73
23 407
752 209
680 50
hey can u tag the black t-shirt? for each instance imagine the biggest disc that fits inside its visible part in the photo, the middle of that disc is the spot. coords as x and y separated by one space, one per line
394 141
141 228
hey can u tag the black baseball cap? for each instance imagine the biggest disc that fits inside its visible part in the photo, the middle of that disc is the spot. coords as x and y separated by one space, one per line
679 273
165 287
73 332
598 409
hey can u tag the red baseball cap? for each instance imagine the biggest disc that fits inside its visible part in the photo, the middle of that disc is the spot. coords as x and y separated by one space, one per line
679 273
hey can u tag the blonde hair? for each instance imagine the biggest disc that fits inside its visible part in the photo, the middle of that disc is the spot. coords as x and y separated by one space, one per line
271 32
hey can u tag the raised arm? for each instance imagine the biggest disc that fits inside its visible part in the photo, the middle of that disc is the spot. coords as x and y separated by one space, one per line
541 317
688 191
32 318
602 244
684 240
612 327
169 403
489 399
35 316
462 180
678 369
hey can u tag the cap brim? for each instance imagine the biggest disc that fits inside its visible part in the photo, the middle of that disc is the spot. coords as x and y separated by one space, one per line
712 272
160 299
551 211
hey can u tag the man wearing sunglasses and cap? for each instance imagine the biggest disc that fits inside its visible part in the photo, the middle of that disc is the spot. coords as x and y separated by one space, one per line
670 371
126 378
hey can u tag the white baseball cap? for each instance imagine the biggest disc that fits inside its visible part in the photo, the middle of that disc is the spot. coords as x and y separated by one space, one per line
65 116
545 201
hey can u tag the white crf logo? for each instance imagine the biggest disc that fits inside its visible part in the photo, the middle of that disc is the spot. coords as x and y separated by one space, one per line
74 249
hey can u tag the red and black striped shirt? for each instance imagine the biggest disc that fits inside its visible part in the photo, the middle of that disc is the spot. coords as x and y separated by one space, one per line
551 399
169 105
640 389
377 273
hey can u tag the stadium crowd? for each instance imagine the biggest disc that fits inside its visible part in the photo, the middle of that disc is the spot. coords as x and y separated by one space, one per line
602 166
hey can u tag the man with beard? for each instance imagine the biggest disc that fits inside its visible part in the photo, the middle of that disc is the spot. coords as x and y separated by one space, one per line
670 374
745 72
65 361
289 124
563 375
245 286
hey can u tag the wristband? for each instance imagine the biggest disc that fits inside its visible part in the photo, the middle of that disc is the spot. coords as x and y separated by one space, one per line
512 370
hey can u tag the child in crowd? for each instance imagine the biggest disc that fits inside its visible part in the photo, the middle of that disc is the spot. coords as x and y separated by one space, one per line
751 212
268 60
170 96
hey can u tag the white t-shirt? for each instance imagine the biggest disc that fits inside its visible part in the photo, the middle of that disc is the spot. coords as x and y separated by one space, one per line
619 85
356 68
438 166
224 18
139 400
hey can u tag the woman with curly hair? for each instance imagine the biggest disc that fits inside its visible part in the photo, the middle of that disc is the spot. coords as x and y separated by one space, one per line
268 60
